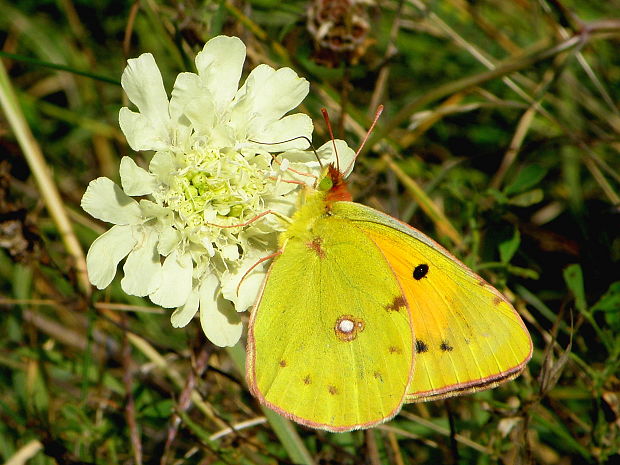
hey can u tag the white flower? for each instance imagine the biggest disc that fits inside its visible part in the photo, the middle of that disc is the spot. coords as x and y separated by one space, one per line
213 167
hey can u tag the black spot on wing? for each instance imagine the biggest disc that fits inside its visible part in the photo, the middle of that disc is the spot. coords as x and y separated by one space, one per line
420 346
420 271
445 347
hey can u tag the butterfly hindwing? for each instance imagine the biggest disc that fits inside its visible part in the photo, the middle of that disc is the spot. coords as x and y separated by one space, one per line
330 342
468 337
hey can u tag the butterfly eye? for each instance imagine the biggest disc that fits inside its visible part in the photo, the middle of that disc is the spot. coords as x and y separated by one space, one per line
325 184
420 271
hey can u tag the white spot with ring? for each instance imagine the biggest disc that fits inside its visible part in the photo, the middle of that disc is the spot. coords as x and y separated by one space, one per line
346 326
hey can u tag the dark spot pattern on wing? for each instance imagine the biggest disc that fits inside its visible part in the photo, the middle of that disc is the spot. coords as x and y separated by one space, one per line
398 303
420 271
446 347
420 346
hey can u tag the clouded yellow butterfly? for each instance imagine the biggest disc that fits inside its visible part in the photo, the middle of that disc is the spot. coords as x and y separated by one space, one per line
361 313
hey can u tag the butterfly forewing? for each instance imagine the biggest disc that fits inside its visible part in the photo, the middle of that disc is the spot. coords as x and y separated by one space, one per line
467 336
330 342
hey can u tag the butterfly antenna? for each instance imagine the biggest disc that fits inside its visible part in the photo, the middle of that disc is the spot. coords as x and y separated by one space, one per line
289 140
284 141
331 134
372 126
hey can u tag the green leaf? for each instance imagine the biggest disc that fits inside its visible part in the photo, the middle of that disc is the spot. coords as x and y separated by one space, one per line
508 248
610 304
159 409
527 178
523 272
527 198
573 276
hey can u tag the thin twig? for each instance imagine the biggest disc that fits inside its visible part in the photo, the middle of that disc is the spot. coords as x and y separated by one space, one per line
384 74
130 405
238 427
445 432
133 12
454 448
200 366
372 450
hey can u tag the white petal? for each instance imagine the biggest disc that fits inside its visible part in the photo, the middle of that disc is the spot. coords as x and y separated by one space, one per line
140 131
106 201
154 210
145 88
176 282
230 252
304 166
163 166
242 108
258 75
183 315
283 189
301 158
290 128
219 321
346 155
247 292
142 268
201 113
169 239
187 87
209 288
285 205
135 180
219 65
275 93
284 165
208 245
106 252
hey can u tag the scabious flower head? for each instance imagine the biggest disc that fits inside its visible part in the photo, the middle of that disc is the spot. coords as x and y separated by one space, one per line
212 170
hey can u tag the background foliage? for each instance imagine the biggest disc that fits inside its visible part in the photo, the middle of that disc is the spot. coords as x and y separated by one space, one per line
500 139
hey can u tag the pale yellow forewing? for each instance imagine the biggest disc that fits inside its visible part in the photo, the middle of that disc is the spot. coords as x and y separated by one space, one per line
330 342
468 336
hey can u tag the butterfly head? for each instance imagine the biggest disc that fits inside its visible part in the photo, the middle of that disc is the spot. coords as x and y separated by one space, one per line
333 185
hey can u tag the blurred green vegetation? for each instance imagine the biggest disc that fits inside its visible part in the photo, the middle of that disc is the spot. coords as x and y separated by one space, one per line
500 138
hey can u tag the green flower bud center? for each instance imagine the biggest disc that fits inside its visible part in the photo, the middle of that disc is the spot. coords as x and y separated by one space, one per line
217 188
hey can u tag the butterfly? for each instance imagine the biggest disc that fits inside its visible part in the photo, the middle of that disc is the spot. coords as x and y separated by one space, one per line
360 313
